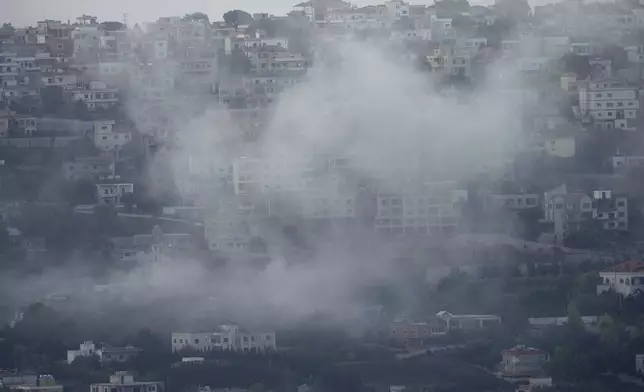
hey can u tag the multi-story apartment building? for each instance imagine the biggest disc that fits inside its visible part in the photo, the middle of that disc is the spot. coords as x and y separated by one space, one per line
227 338
315 10
274 60
230 224
516 201
96 95
104 354
87 168
451 62
609 104
570 211
45 383
124 382
432 208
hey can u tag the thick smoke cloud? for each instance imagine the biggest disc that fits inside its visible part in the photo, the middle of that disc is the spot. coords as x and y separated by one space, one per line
359 100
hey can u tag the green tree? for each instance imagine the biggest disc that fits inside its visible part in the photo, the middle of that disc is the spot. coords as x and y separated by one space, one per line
518 10
237 18
197 16
574 317
610 331
113 26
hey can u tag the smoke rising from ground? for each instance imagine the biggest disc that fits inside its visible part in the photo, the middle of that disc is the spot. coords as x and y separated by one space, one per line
360 101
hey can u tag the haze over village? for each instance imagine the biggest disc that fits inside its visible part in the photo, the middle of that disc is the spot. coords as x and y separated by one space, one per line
322 196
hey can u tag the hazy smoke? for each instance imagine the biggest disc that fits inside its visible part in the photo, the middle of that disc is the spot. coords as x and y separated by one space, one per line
359 100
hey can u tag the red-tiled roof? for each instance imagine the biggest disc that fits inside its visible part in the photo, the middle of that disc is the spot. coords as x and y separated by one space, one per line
627 266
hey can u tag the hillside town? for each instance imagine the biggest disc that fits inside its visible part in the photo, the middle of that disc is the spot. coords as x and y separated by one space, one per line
392 197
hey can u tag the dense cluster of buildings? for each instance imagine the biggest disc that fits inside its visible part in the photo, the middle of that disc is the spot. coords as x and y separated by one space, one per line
112 93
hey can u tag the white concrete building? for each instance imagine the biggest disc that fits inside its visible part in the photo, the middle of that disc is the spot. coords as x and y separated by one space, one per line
97 95
432 208
626 279
451 62
113 192
624 163
609 104
86 38
87 168
228 338
230 225
124 382
107 138
86 349
104 354
639 363
397 9
468 322
45 383
66 80
317 9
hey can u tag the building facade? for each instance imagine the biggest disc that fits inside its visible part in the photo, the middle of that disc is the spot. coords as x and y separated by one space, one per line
124 382
626 279
228 338
522 361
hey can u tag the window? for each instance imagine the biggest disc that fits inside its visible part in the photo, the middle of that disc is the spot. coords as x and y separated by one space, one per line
559 206
530 201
